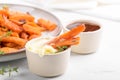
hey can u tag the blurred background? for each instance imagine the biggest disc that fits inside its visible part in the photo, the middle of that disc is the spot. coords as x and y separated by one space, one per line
107 9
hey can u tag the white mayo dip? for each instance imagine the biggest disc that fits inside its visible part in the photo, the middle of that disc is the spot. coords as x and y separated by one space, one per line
39 47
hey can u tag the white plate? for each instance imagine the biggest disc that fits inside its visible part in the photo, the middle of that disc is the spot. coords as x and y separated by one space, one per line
37 13
11 57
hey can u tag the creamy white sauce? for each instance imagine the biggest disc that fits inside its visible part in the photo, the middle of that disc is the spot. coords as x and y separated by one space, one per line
39 47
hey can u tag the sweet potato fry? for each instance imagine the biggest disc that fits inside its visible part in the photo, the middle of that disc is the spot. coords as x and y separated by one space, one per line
15 40
2 32
9 44
24 35
32 24
8 50
68 35
33 36
17 22
32 30
1 20
69 42
14 34
4 29
10 25
21 16
47 24
4 12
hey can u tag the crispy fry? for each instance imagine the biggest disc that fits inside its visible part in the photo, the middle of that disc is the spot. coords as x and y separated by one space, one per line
32 24
24 35
14 34
46 24
33 36
17 22
69 42
8 50
4 12
68 35
10 25
9 44
1 20
2 32
21 16
4 29
32 30
15 40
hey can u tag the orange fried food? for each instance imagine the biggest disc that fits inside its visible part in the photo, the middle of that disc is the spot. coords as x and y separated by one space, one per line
47 24
33 36
4 29
10 25
69 42
21 16
9 44
18 22
2 32
24 35
1 20
8 50
32 24
67 38
70 34
4 11
16 28
32 30
14 34
16 40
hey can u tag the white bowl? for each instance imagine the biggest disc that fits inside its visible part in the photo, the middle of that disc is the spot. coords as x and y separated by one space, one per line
49 65
89 41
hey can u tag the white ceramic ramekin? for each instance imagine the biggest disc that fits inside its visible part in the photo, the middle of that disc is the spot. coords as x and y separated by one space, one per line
89 41
49 65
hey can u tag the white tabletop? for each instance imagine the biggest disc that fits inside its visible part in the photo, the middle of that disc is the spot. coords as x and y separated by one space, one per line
102 65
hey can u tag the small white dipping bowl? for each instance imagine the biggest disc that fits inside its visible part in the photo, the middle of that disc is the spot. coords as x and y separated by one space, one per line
89 40
49 65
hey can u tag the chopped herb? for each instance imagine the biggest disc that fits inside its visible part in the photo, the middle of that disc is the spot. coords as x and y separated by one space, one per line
62 48
8 33
8 70
5 35
1 52
15 69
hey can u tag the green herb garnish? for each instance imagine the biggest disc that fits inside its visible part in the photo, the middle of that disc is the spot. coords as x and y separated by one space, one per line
8 70
1 52
62 48
8 34
5 35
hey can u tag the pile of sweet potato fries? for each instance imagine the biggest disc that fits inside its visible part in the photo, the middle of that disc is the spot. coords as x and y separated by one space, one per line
22 27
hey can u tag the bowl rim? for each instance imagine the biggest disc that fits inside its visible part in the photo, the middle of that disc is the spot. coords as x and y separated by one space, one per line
86 21
31 41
